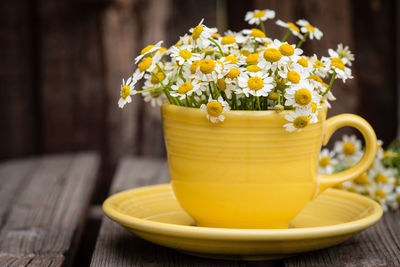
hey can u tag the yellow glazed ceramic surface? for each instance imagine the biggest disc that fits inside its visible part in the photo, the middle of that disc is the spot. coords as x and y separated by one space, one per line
248 171
154 214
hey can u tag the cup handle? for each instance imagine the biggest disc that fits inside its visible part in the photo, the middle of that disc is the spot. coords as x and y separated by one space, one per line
330 126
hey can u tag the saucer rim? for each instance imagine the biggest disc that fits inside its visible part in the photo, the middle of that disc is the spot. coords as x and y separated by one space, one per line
187 231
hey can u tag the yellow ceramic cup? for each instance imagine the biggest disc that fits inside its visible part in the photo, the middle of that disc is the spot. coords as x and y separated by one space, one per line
248 171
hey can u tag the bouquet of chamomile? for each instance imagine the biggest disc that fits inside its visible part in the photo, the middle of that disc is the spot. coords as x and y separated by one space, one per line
244 70
381 181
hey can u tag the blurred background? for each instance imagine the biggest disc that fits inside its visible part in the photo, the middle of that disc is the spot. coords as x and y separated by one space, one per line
61 65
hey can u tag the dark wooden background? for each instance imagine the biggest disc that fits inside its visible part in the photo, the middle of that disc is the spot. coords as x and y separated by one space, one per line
61 64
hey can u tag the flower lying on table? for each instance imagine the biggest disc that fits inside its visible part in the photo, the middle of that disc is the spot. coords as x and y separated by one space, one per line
244 70
380 182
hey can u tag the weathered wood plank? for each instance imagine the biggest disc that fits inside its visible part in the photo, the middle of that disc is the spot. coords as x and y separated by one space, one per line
376 246
44 211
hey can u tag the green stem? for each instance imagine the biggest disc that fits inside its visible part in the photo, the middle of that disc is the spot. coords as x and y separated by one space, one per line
219 48
286 36
234 101
302 40
330 84
258 102
170 99
255 46
226 98
262 26
211 93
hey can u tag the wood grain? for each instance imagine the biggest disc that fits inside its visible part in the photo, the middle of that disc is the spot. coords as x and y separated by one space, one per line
44 203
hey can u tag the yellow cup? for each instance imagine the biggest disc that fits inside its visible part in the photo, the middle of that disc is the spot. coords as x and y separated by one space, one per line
248 171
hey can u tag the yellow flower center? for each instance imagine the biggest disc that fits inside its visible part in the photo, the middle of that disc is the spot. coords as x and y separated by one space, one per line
315 78
207 66
160 77
185 54
146 49
245 52
324 161
272 55
125 91
301 122
303 61
252 58
380 193
197 31
398 198
145 64
215 35
273 96
337 63
349 148
221 84
228 40
381 178
255 83
259 14
233 73
214 108
293 76
318 64
387 154
231 59
184 88
286 50
302 97
253 68
362 179
293 26
310 28
257 33
194 66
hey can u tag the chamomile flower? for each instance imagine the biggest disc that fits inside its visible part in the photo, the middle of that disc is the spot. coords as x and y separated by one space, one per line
182 89
228 42
298 119
149 63
148 50
321 67
201 33
349 149
239 38
337 66
326 161
306 27
345 53
293 74
393 199
127 89
256 35
290 26
289 52
215 109
184 54
209 70
301 94
256 16
154 97
256 83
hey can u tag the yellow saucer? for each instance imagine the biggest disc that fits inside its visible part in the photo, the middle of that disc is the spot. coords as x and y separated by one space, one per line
153 214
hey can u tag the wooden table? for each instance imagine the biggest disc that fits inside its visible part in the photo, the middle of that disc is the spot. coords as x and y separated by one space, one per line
44 205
